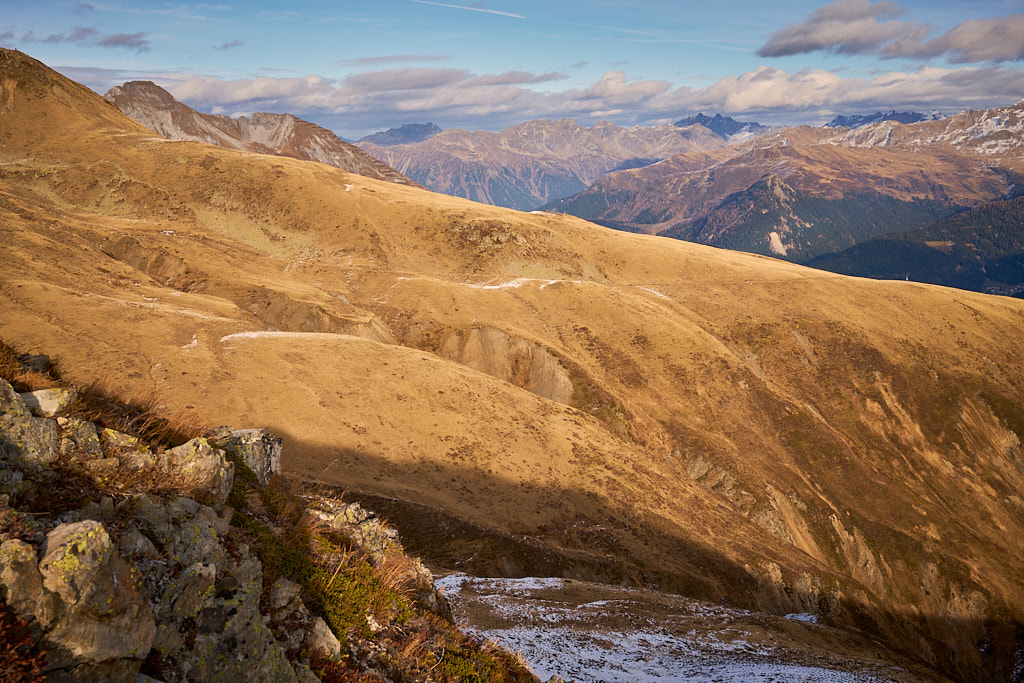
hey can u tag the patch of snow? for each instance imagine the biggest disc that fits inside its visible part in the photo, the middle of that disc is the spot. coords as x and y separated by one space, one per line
557 637
193 343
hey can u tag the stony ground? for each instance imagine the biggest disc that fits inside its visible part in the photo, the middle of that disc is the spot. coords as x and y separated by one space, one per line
593 632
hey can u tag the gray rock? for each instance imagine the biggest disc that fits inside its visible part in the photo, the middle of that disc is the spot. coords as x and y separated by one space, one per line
39 362
79 437
257 448
96 621
127 449
11 402
25 441
319 638
193 590
202 468
133 542
23 584
49 402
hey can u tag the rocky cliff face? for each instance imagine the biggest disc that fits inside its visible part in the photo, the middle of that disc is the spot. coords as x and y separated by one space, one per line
527 165
280 134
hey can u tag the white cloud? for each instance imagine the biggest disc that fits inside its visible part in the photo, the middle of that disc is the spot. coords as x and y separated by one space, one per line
367 102
844 27
854 27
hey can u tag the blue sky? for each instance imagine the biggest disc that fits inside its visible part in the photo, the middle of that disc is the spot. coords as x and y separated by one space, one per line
361 67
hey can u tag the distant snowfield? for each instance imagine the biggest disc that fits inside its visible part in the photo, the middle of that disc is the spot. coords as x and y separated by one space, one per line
631 638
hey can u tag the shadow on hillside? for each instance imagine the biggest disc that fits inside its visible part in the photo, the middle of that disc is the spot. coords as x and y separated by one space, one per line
595 542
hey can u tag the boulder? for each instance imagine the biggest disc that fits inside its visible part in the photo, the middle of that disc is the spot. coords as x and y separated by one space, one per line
49 402
85 599
203 469
26 441
319 638
257 448
79 437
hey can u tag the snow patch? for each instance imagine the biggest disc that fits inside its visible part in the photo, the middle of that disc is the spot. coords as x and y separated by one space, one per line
556 637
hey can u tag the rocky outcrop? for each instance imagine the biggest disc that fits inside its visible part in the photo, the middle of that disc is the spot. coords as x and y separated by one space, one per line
279 134
161 587
257 448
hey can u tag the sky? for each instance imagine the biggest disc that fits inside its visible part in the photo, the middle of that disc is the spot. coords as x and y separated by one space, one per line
361 67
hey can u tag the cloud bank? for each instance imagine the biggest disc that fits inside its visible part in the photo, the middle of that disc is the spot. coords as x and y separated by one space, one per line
374 100
860 27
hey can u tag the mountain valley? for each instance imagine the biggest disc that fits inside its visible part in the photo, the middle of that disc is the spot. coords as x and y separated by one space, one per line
534 394
805 192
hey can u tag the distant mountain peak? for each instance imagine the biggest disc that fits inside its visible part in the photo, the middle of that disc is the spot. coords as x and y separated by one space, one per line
858 120
406 134
143 91
723 126
264 133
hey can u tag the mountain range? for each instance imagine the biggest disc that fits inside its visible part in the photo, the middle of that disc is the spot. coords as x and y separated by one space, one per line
405 134
529 393
724 126
858 120
280 134
804 192
535 162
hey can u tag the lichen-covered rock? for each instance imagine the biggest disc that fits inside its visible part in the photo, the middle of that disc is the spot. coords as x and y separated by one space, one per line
257 448
25 441
85 600
105 615
319 638
49 402
289 617
23 584
127 449
362 526
79 437
203 468
11 402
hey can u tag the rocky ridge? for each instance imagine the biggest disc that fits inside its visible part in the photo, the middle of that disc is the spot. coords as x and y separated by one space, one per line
264 133
121 583
529 164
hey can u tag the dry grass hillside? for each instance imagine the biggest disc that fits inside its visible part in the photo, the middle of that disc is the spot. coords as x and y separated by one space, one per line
530 392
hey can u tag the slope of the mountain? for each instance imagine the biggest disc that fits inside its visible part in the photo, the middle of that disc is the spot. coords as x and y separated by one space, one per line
804 192
280 134
858 120
725 127
533 393
532 163
981 249
408 133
